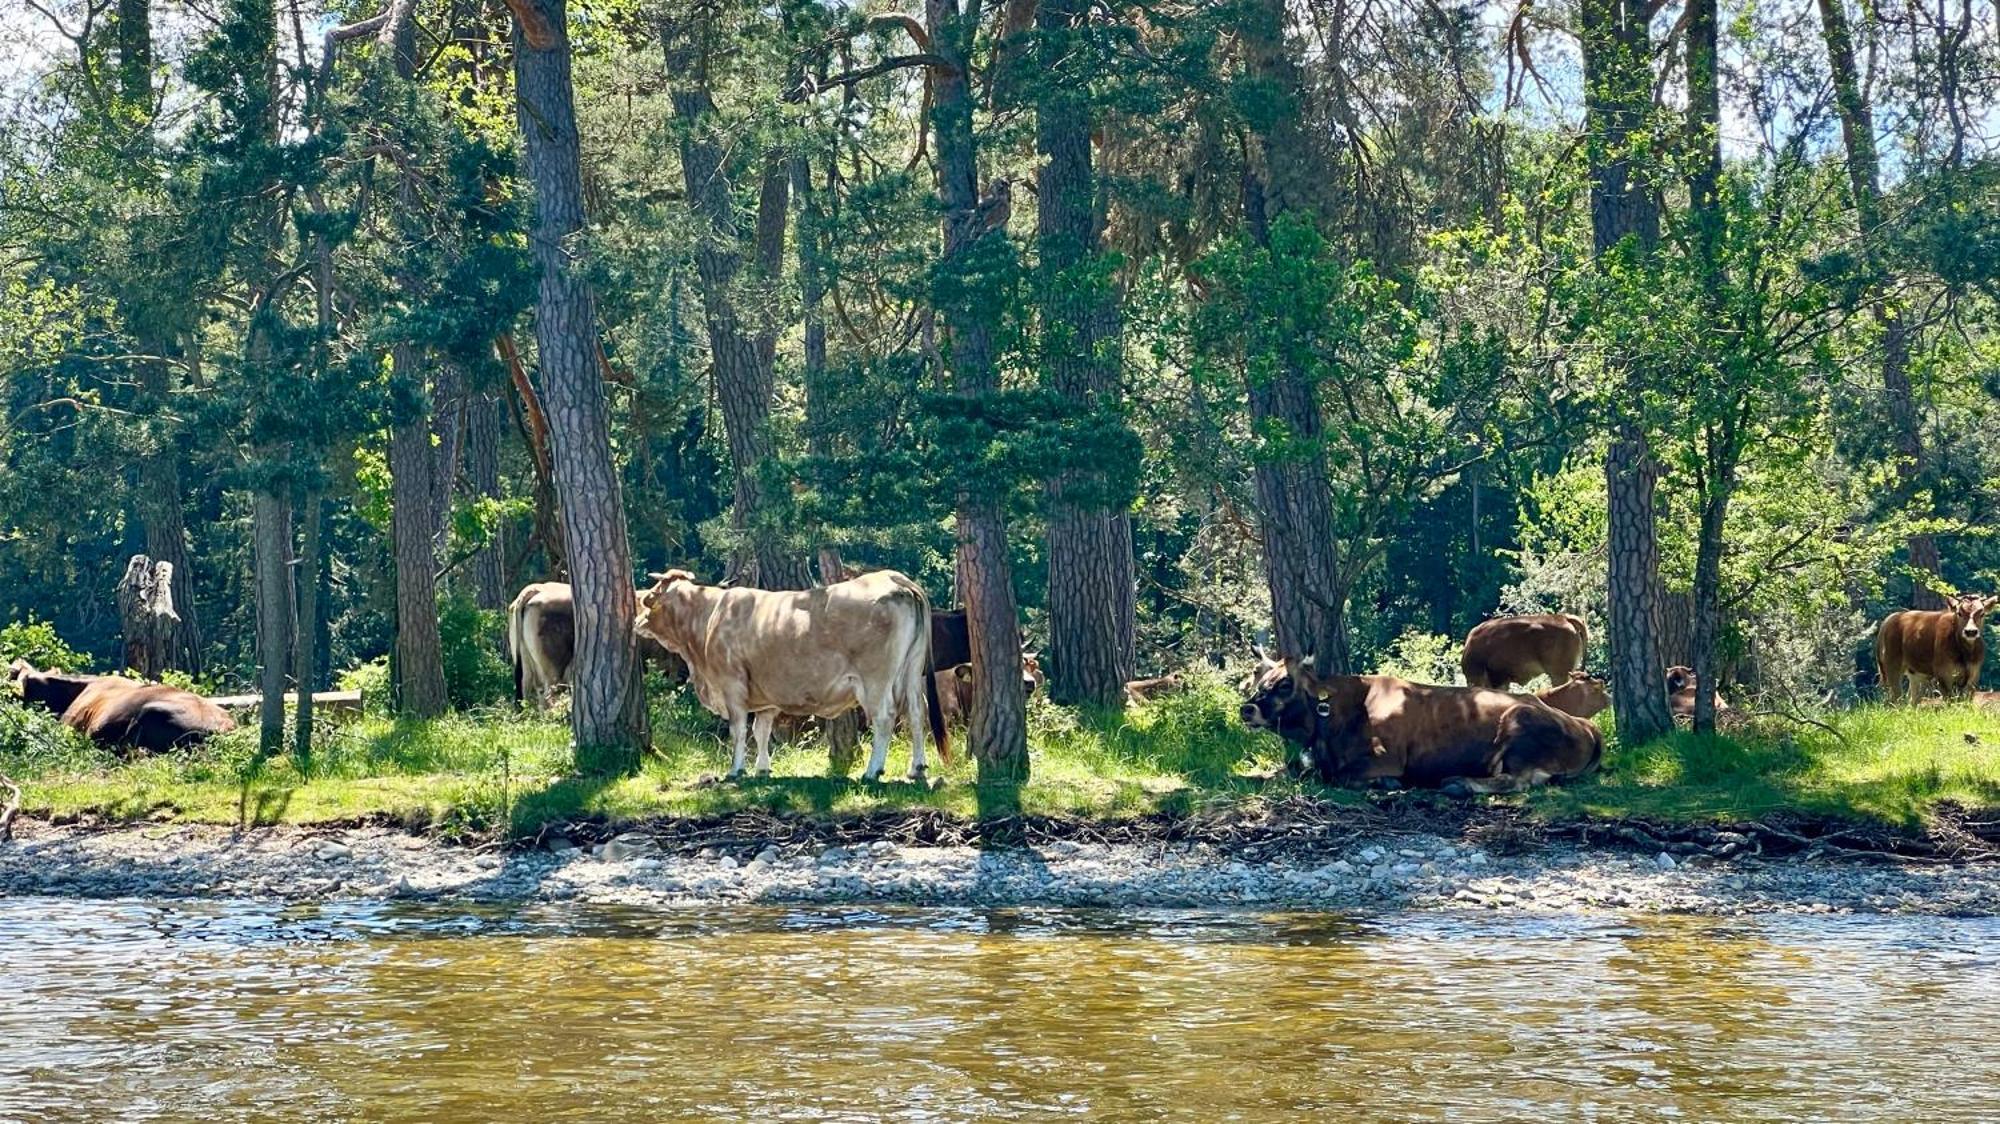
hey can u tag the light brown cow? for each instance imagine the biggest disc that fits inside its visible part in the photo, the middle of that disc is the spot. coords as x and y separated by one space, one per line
1509 650
819 652
1946 647
1353 728
541 639
125 713
1139 692
1582 695
1681 690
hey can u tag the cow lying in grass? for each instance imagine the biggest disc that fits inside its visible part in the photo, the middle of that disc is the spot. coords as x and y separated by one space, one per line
122 713
1358 728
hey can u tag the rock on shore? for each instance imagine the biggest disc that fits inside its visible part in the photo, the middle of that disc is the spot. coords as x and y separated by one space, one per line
1387 872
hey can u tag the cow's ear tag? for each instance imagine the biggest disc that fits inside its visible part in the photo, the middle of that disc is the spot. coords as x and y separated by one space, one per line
1325 709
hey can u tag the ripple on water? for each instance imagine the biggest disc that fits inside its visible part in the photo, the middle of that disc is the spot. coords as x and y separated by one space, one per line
223 1011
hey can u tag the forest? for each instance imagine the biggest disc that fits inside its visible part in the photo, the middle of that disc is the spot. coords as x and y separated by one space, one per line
1150 331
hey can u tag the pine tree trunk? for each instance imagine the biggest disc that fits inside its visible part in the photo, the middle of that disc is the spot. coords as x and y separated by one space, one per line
1708 601
305 634
998 729
1302 563
419 662
1092 585
160 500
1617 97
607 689
271 547
482 470
1857 129
135 54
743 352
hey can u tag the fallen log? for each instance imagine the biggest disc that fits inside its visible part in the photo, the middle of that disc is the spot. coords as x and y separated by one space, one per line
341 704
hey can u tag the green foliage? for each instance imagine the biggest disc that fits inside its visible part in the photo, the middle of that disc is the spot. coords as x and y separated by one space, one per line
1422 657
36 642
475 675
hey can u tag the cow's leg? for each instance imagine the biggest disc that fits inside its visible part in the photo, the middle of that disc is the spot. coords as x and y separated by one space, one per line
883 717
1919 687
764 720
914 709
739 731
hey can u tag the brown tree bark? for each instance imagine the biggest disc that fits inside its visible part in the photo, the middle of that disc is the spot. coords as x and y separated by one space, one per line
271 548
1857 130
1301 561
743 351
419 662
1618 84
306 633
607 690
483 422
998 730
534 425
1092 585
1721 436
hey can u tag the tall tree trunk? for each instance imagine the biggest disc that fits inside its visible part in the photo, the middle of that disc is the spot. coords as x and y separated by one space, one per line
1719 438
160 499
1708 597
744 352
534 425
135 54
1092 586
271 546
998 729
1857 130
419 663
1284 176
305 635
482 470
413 468
843 732
607 688
1618 83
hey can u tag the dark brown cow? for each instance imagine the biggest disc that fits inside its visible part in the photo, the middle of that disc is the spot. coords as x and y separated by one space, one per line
1681 690
1509 650
1946 647
541 640
954 687
122 713
1354 728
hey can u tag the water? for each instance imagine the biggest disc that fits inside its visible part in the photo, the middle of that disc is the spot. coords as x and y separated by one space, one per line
249 1011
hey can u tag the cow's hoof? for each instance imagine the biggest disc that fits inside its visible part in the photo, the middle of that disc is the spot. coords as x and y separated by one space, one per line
763 774
918 777
872 778
733 776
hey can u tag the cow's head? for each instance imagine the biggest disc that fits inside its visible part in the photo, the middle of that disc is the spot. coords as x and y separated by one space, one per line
1583 695
667 611
18 671
1679 678
1968 611
1031 671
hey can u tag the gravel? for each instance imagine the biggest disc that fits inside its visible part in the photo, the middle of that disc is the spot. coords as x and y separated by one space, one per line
1400 871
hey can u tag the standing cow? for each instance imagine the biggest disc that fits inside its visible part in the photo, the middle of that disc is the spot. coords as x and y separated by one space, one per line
1509 650
541 641
818 652
1946 647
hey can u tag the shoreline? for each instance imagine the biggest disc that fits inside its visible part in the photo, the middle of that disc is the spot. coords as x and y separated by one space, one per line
1369 870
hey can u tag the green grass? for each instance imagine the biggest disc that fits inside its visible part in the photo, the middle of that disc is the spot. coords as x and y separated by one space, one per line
477 773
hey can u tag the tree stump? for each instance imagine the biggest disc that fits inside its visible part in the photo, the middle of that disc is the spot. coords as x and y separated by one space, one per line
146 609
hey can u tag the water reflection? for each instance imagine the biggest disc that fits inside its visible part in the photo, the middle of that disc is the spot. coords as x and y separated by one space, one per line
255 1011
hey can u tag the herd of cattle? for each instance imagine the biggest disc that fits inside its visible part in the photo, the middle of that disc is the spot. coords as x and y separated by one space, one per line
873 643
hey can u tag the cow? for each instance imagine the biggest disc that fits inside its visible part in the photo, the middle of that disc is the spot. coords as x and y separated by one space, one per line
1139 692
541 641
1509 650
752 652
954 686
1358 728
1946 647
1681 692
122 713
1582 695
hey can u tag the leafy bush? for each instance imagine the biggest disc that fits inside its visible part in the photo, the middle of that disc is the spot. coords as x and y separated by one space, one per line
37 642
34 742
1422 657
474 672
372 680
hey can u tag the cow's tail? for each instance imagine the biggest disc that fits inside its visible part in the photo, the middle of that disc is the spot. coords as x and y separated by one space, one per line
515 612
1582 637
920 656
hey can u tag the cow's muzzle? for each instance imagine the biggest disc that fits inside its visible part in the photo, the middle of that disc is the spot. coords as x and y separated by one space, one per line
1251 715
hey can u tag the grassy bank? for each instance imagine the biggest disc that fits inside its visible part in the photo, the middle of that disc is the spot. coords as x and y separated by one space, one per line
472 774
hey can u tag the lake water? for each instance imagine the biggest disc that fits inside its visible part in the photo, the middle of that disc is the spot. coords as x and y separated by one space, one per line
225 1011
